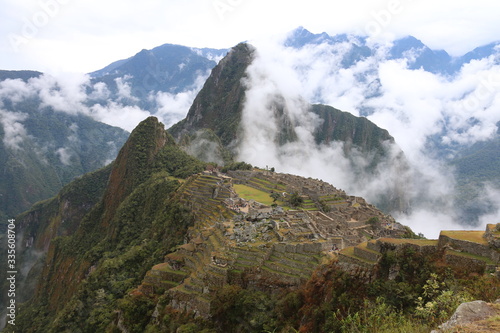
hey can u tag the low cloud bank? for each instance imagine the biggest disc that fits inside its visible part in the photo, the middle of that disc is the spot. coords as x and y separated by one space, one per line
416 107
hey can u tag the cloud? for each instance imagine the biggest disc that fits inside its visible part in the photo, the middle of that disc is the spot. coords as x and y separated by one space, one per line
75 94
64 155
415 106
15 90
124 89
14 131
66 93
70 39
273 80
172 108
116 114
100 91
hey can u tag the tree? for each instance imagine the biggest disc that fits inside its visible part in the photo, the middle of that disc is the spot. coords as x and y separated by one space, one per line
296 200
275 196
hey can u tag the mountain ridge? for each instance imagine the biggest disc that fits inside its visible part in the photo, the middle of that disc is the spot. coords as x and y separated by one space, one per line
187 245
220 105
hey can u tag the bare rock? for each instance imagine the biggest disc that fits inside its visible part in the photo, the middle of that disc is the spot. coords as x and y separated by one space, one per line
467 313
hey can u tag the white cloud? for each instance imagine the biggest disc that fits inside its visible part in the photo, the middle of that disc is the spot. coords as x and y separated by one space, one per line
115 114
64 154
100 91
15 90
14 131
415 106
124 89
69 39
171 108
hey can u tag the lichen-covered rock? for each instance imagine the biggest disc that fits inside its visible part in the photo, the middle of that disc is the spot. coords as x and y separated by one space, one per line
467 313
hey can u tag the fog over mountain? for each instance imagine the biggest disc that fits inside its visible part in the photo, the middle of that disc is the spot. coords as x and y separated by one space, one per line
433 113
434 105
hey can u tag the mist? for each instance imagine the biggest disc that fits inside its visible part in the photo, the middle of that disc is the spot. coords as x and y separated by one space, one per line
415 106
74 93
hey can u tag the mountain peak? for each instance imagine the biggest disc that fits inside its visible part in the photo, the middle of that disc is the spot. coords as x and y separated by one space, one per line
209 110
133 160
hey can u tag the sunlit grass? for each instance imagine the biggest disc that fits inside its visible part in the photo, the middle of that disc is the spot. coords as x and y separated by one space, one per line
467 235
250 193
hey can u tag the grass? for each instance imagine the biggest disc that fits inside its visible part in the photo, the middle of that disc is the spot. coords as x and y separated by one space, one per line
180 180
250 193
420 242
271 270
467 235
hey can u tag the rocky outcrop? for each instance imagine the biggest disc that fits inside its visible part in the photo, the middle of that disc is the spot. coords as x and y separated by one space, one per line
132 165
468 313
492 235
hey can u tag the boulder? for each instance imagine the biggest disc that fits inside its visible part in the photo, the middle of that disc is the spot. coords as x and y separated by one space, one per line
467 313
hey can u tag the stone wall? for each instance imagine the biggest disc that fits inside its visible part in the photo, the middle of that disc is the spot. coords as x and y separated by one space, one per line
304 248
492 235
464 262
367 254
470 247
382 245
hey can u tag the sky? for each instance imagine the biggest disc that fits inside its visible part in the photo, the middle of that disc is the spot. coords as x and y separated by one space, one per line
57 36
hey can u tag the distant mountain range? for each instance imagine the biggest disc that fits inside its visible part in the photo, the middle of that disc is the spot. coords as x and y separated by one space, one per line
167 68
410 48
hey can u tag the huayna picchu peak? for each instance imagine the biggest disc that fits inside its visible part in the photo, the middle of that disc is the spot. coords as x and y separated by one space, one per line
226 120
159 241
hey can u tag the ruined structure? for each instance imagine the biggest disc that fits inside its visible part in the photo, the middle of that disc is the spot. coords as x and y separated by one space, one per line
238 240
468 250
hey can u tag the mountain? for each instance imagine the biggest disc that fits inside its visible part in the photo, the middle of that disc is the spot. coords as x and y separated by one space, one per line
423 57
480 52
409 48
166 68
42 149
209 110
219 109
392 81
164 246
223 115
476 168
23 75
89 213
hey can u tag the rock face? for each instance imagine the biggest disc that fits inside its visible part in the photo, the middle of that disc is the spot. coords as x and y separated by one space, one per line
467 313
219 116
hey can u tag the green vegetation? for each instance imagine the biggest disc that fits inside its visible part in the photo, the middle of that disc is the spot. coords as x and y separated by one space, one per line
117 244
474 167
295 200
118 230
220 102
237 166
250 193
59 147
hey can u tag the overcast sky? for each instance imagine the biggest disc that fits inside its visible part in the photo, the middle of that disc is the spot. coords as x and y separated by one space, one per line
84 35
